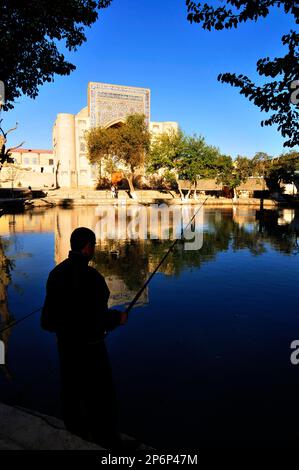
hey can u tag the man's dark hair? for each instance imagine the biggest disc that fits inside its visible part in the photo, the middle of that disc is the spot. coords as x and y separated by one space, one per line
80 237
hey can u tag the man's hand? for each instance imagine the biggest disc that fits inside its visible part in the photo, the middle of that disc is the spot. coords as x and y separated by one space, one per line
123 318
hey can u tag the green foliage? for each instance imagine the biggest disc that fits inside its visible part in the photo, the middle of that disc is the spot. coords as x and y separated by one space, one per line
30 33
100 143
170 178
276 171
232 173
127 144
281 170
167 152
275 95
261 164
200 159
180 156
132 142
188 157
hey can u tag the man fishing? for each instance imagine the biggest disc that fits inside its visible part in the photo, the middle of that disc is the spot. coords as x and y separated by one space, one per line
76 309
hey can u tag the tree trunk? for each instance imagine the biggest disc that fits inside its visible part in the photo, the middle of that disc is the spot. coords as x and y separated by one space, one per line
179 188
195 188
188 195
262 196
189 192
235 195
131 186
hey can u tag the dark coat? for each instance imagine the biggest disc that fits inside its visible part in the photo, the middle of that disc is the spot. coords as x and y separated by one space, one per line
76 303
76 309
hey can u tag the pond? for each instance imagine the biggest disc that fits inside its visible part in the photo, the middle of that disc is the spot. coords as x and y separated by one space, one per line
204 360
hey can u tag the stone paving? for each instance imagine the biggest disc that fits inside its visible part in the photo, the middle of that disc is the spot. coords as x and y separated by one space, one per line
22 429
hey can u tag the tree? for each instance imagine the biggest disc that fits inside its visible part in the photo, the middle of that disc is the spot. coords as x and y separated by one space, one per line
261 164
200 160
232 173
30 33
184 157
282 170
99 146
132 146
167 153
126 145
10 173
5 153
280 95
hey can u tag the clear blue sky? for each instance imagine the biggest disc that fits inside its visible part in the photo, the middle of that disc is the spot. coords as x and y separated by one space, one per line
149 43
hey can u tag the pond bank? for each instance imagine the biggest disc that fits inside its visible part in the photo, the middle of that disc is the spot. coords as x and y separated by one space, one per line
69 198
23 429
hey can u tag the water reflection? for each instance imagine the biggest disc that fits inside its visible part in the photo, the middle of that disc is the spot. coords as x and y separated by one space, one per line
126 263
239 246
5 278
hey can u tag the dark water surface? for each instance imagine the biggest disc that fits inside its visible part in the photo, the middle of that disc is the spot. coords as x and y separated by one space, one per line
204 360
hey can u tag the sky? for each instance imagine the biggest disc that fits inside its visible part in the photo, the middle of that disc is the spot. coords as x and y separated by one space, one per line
150 43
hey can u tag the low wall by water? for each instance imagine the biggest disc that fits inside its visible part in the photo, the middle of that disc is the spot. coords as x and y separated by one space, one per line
23 429
89 197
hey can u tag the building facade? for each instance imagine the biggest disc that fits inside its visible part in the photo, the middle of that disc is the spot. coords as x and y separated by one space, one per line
32 167
108 105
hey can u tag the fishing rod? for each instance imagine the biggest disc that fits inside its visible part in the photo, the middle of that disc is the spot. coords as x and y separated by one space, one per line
133 302
15 322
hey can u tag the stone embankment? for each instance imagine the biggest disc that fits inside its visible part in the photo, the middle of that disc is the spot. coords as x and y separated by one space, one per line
22 429
69 198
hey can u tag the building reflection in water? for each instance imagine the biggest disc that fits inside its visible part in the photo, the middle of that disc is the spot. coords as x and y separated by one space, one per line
128 250
126 263
132 241
6 266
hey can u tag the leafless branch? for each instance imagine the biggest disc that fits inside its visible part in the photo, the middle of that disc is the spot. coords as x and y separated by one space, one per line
14 148
12 129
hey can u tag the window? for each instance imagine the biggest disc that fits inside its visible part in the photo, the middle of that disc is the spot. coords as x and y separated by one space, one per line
34 161
51 161
82 147
42 169
26 161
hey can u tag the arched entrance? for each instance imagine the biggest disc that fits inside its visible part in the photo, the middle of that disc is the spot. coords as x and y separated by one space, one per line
115 123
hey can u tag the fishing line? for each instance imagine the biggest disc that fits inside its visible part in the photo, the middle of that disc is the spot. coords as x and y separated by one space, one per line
132 303
15 322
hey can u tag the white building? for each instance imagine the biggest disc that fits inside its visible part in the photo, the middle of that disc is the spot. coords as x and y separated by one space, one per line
32 167
108 105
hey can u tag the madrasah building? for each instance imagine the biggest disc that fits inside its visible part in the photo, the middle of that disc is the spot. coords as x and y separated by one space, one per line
108 106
